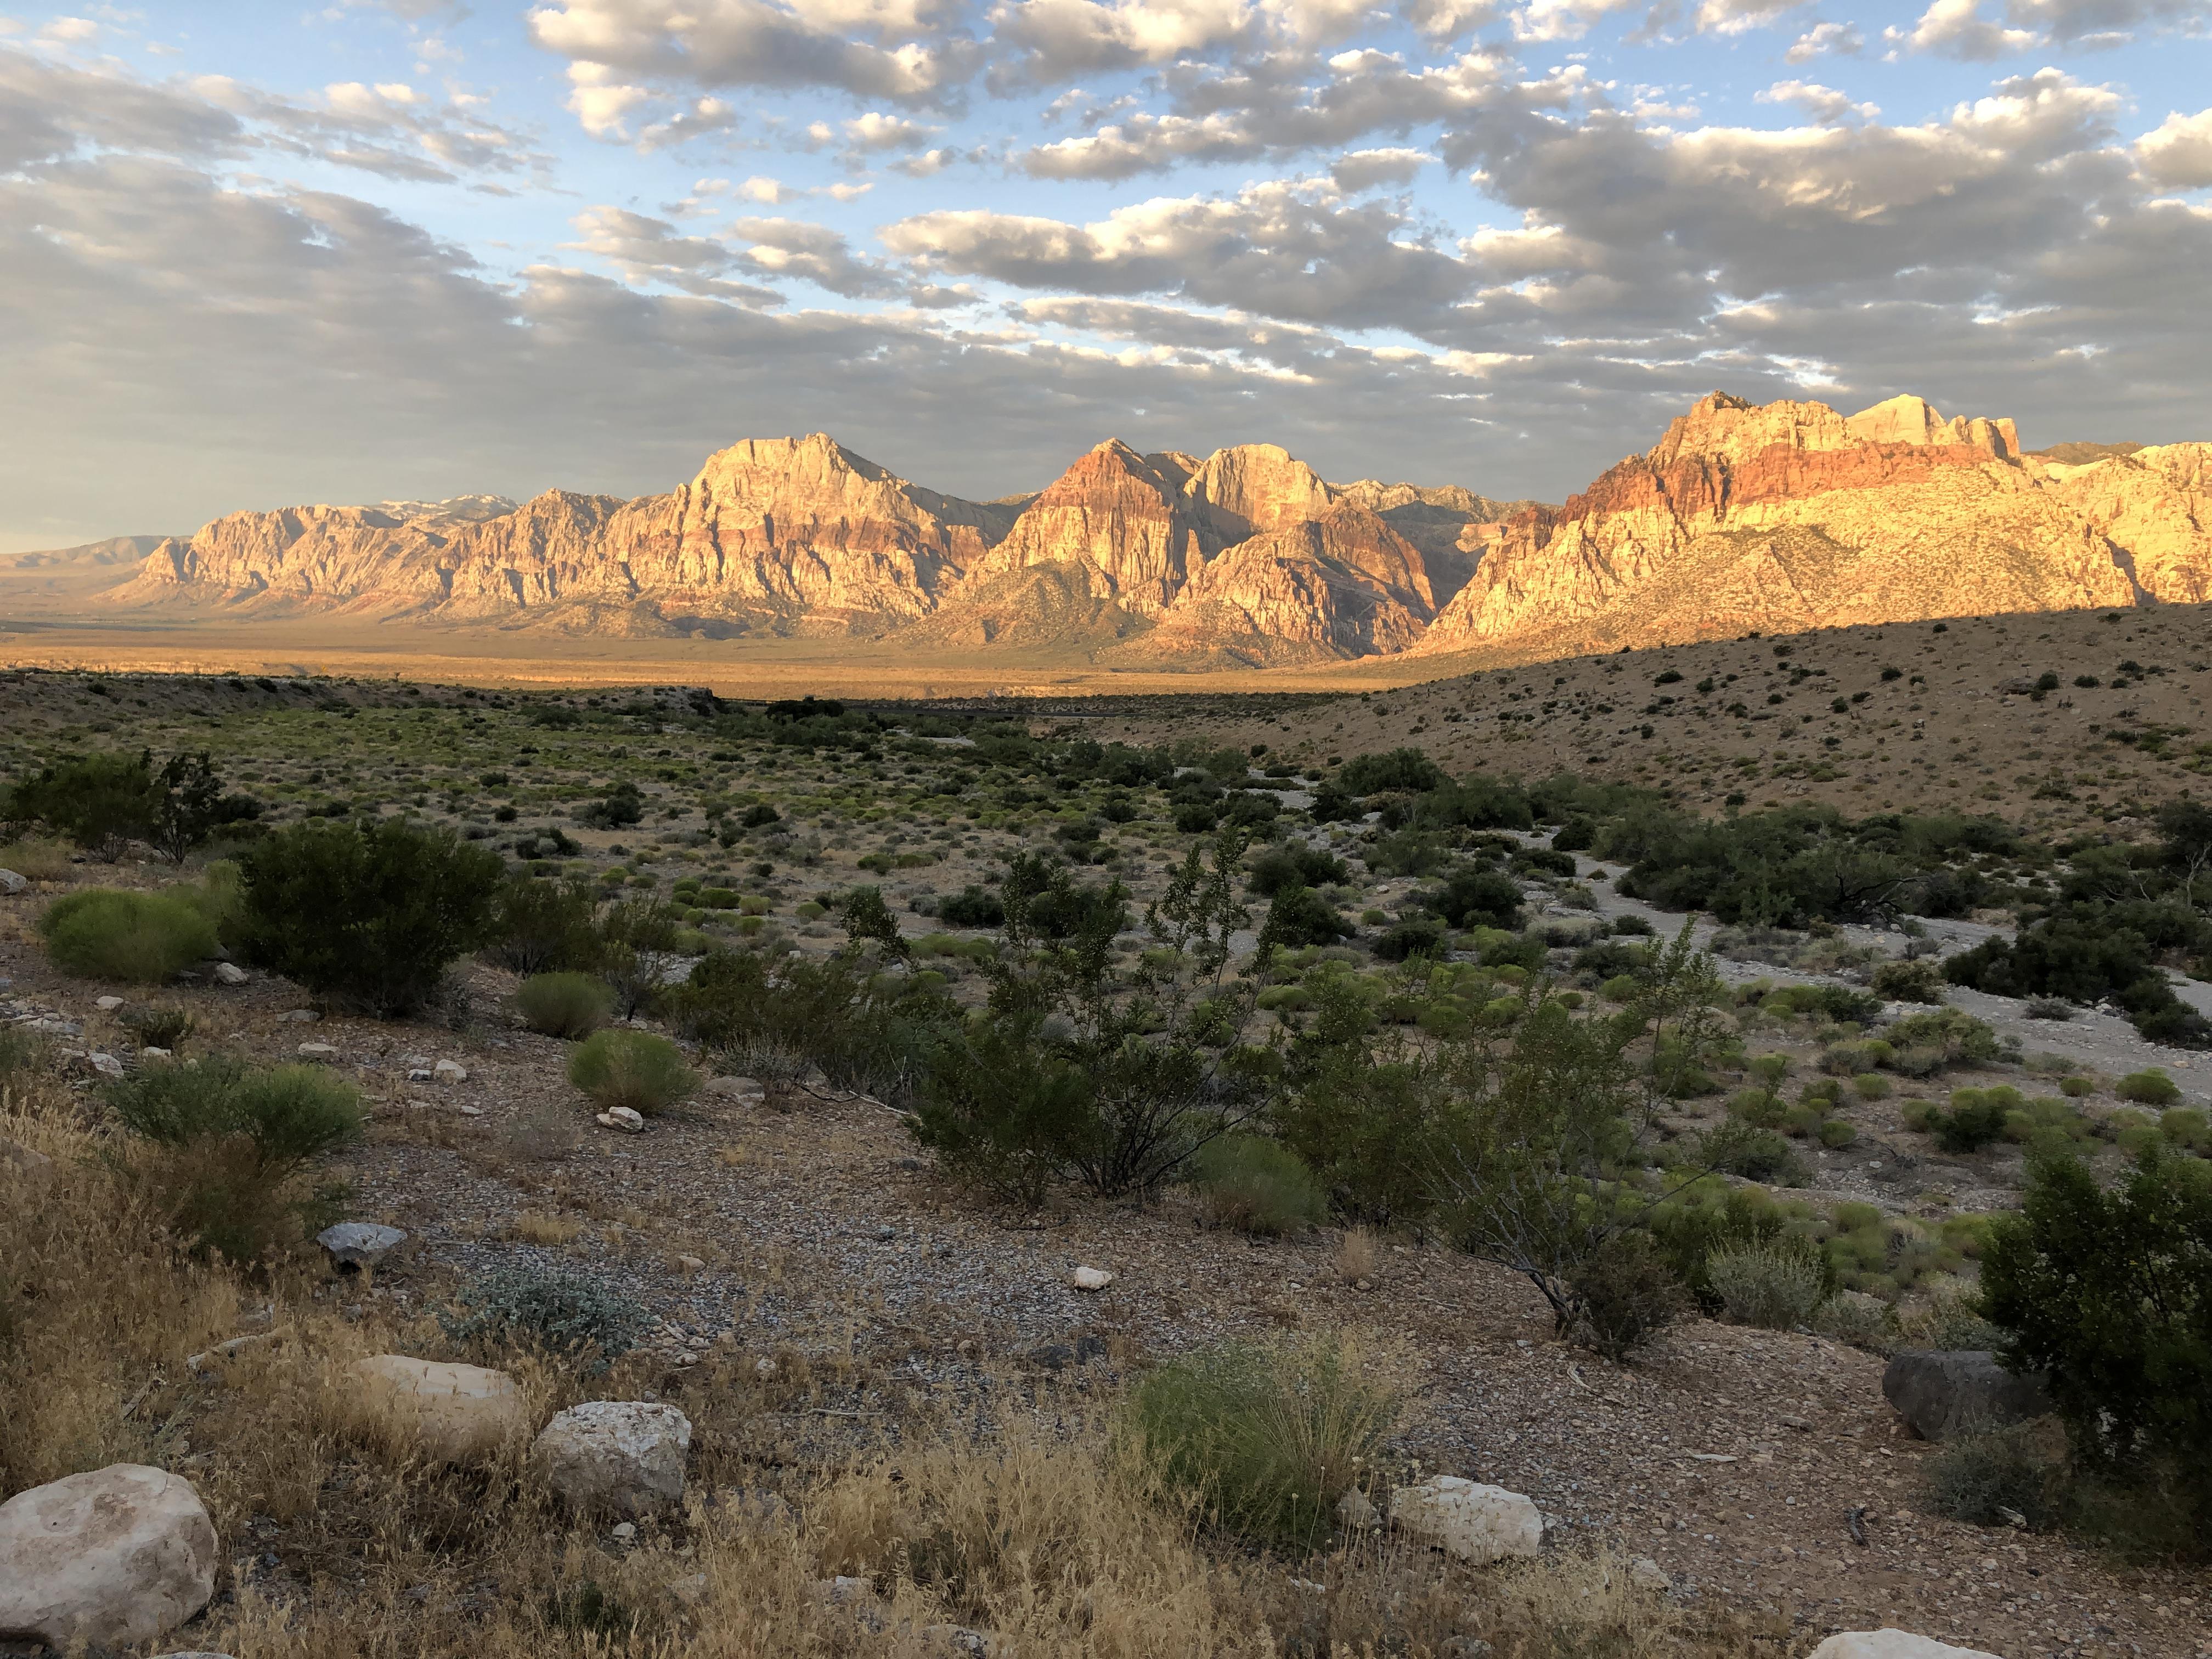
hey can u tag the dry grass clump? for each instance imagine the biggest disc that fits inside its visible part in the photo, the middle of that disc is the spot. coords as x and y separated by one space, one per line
1357 1255
37 858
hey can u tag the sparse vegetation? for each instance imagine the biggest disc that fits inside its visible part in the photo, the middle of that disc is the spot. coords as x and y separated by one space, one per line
564 1005
637 1069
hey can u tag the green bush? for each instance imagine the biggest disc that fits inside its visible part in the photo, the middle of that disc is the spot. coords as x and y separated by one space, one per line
1269 1436
541 926
369 916
1737 1148
107 932
1917 981
564 1005
1976 1118
1777 1284
972 907
1298 917
1925 1044
1628 1295
559 1313
2110 1292
2004 1477
235 1139
1257 1185
636 1069
2148 1088
1284 866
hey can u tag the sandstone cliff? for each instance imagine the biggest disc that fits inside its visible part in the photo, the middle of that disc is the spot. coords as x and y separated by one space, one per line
1790 515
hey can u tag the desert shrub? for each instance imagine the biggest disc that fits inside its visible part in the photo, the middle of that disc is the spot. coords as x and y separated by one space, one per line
1409 939
1998 1477
235 1139
369 916
1001 1113
2109 1292
1976 1117
1477 898
1751 1153
1917 981
636 1069
972 907
1776 1284
621 804
564 1005
1269 1436
1397 768
1257 1185
558 1313
2148 1088
1292 865
160 1026
2090 954
1628 1294
1298 916
99 801
1923 1044
873 1032
541 926
107 933
640 941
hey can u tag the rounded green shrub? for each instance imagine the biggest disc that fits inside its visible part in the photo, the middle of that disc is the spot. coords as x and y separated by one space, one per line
2148 1088
1777 1283
1871 1085
1257 1185
107 932
565 1005
636 1069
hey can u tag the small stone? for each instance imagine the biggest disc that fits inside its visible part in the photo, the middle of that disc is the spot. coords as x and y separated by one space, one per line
155 1054
1092 1278
109 1004
625 1530
317 1051
113 1558
229 973
1464 1518
1353 1510
11 884
450 1071
622 1118
298 1016
420 1074
359 1244
691 1264
25 1164
106 1065
618 1454
1646 1574
764 1368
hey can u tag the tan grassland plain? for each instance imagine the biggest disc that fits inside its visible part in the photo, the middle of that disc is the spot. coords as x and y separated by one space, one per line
1941 732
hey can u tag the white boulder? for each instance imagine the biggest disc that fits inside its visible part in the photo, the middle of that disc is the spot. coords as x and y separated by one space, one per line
11 884
1467 1519
105 1065
1092 1278
1891 1644
229 973
455 1413
450 1071
622 1118
114 1557
107 1005
622 1454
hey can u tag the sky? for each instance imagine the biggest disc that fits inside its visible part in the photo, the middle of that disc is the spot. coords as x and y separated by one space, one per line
255 255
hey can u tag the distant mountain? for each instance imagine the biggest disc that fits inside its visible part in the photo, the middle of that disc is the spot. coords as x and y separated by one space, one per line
116 550
1783 516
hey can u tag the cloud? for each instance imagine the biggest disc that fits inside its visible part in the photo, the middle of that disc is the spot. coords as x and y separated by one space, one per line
1740 16
1823 38
1364 169
1956 29
2178 154
1823 104
903 55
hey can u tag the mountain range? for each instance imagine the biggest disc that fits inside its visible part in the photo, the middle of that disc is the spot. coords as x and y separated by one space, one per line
1777 517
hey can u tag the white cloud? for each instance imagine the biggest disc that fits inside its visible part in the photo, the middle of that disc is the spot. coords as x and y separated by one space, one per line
2178 155
1823 104
1823 38
1364 169
1740 16
1956 29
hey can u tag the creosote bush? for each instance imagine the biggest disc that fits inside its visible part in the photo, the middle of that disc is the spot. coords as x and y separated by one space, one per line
234 1139
636 1069
1269 1436
564 1005
142 939
369 916
1257 1185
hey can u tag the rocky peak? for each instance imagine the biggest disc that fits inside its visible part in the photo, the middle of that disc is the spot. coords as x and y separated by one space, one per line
1253 488
1905 419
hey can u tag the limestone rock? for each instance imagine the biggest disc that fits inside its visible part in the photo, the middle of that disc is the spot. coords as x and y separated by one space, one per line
622 1118
455 1413
617 1454
1944 1393
11 884
1891 1644
1092 1278
359 1244
1466 1519
229 973
107 1005
450 1071
115 1557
